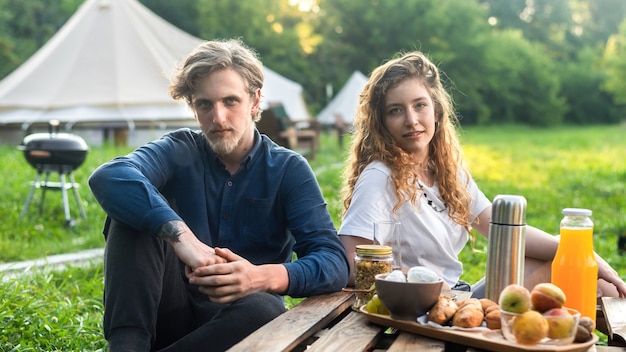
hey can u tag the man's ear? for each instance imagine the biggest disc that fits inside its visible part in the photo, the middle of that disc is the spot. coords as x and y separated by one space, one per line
257 103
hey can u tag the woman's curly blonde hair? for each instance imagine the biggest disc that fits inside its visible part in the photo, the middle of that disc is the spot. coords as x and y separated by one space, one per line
371 141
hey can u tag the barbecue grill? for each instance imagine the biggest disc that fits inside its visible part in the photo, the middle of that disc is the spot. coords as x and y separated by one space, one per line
54 152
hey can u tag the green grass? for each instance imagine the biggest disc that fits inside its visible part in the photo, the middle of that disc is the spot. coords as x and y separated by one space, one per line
553 168
37 235
53 311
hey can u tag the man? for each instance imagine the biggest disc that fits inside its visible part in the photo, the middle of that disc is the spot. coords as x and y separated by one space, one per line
201 226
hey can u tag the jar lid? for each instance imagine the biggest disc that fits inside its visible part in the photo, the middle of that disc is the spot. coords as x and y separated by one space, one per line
577 212
373 249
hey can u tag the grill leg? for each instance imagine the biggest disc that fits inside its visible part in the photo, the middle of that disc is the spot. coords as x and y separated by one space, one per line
30 194
44 187
66 205
77 196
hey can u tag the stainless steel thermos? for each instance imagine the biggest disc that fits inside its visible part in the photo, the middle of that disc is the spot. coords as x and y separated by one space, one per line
506 246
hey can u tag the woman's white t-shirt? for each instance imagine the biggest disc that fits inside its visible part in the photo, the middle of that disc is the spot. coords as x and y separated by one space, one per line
428 236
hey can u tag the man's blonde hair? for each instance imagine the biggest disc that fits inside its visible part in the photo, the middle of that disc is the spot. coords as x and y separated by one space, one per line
213 56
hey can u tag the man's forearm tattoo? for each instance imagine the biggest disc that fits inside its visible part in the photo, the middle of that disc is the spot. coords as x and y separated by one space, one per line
171 230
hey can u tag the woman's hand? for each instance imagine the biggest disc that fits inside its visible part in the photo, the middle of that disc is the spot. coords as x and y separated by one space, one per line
608 274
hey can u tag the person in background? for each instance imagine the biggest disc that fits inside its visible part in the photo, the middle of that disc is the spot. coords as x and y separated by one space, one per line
201 225
406 165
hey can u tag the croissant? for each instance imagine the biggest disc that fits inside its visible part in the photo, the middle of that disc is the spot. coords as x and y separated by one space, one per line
470 315
486 303
470 301
443 310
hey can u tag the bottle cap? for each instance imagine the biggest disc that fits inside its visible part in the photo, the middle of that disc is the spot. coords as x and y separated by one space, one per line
373 250
508 210
577 212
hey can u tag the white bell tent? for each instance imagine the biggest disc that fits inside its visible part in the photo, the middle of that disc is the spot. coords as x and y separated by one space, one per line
109 65
344 105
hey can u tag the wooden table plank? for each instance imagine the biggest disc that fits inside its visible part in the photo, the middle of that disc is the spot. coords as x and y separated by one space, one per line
297 324
407 342
614 310
352 333
606 349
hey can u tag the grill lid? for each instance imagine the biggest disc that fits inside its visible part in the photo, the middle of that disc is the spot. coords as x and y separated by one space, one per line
54 142
53 150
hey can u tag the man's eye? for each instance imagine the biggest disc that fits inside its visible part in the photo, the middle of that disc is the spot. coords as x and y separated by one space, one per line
202 104
230 102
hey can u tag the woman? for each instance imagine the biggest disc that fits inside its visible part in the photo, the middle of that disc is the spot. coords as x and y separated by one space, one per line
406 165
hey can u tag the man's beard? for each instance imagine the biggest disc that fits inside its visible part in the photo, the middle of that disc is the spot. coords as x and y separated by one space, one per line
224 145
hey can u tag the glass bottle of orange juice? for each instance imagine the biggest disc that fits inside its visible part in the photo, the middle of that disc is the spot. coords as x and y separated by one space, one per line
574 268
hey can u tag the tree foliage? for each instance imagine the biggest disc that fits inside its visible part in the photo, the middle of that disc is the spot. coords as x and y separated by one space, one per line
26 25
522 87
513 61
614 59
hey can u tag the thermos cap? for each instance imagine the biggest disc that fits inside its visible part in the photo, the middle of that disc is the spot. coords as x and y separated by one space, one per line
508 210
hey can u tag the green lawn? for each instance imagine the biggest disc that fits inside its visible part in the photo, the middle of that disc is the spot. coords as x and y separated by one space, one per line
553 168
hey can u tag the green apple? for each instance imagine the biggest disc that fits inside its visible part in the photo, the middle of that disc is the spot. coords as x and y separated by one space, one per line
514 299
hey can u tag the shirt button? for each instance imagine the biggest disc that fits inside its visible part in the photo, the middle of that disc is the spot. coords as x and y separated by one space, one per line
229 183
225 216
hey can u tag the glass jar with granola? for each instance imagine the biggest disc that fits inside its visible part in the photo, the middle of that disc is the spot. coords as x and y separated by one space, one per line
369 261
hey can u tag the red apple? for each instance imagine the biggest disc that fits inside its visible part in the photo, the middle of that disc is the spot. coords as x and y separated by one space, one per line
546 296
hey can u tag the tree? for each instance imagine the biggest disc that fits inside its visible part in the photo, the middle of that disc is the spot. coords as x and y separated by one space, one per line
528 61
581 81
550 23
181 13
25 26
361 35
569 32
522 87
600 19
272 28
615 64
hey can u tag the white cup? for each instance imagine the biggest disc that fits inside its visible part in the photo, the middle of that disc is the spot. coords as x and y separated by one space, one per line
387 233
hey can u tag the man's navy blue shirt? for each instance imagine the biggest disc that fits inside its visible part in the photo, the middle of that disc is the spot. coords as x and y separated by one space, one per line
271 207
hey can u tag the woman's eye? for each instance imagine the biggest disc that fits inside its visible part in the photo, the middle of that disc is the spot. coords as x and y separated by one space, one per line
394 111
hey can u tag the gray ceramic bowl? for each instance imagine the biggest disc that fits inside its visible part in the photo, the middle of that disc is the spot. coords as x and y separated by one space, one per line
407 300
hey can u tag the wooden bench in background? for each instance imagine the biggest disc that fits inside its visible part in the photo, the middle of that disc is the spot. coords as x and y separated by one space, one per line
278 127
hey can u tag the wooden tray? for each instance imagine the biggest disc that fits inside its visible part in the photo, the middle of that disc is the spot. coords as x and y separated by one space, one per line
488 340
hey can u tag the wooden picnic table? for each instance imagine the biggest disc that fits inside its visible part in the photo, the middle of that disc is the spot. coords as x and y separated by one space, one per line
328 323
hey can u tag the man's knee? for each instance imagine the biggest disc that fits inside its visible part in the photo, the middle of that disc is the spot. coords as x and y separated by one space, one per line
263 306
